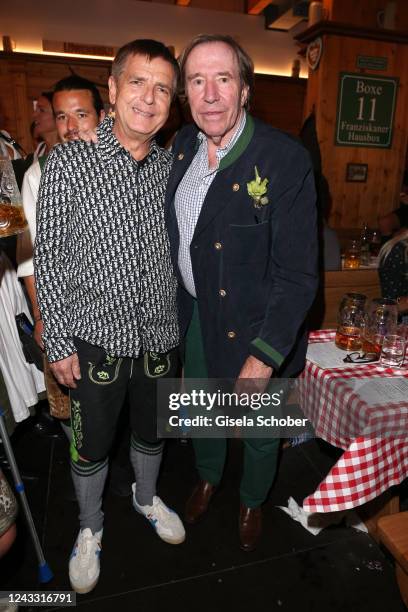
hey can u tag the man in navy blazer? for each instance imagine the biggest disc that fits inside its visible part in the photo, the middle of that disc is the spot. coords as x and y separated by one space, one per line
241 216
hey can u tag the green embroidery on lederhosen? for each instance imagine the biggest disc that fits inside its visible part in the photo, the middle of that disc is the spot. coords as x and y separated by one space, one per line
156 364
73 452
110 360
76 425
106 372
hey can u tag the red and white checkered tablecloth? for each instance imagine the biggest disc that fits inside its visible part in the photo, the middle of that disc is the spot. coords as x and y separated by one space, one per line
369 465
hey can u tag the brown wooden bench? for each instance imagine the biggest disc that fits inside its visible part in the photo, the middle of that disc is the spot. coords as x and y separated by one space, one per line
393 533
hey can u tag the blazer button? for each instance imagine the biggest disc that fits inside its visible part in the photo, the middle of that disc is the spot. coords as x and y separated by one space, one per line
231 335
180 156
235 187
218 246
222 292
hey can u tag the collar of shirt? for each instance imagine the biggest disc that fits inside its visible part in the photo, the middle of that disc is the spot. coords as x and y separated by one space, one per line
109 146
222 152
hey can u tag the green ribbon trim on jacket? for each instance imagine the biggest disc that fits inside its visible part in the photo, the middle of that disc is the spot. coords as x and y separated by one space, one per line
241 144
268 350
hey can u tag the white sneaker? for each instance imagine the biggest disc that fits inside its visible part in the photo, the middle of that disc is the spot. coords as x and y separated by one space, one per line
84 565
164 520
5 606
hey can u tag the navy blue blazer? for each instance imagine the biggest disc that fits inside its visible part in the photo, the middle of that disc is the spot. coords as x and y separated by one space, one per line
255 271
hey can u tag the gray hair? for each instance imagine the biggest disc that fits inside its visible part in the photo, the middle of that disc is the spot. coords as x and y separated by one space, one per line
148 48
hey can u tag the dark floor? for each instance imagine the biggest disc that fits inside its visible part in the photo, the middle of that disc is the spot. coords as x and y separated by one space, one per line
292 570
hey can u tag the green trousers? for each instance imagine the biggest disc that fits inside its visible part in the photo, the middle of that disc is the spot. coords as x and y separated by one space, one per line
260 454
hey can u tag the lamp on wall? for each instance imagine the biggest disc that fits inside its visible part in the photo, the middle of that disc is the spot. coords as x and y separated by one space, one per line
284 16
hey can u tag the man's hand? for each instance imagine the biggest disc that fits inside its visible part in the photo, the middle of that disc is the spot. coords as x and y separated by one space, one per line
88 135
402 303
37 333
258 372
67 371
254 368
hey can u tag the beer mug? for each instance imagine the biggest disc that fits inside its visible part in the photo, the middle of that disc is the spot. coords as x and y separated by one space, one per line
375 244
351 319
352 259
12 218
380 320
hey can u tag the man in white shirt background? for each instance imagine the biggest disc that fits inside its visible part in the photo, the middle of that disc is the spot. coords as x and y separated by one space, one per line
77 105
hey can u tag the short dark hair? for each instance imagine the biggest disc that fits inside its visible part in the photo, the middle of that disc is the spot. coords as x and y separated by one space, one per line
245 63
149 48
48 95
77 82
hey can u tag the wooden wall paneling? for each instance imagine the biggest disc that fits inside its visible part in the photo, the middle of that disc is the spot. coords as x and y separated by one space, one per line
337 284
400 62
7 110
24 76
320 99
235 6
22 111
21 108
279 101
401 17
363 13
355 203
54 71
43 76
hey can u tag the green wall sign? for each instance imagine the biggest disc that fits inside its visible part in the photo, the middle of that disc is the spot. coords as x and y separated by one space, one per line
371 62
365 110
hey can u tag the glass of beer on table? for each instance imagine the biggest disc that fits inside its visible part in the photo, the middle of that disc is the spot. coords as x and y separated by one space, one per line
351 318
352 256
381 320
375 244
12 218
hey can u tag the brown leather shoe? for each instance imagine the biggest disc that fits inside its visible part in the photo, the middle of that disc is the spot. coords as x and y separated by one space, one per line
197 504
250 527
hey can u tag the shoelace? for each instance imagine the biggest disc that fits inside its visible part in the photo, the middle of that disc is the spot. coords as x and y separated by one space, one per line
159 509
84 549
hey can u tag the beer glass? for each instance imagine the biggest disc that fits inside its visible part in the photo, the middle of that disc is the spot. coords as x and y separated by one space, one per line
375 244
393 351
351 318
380 320
352 258
12 218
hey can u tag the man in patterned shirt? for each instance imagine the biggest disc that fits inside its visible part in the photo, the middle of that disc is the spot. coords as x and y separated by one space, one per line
107 293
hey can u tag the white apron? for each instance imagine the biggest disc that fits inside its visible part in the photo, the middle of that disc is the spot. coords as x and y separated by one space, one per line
23 381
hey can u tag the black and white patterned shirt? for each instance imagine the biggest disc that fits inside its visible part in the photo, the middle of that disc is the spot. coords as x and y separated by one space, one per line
190 196
102 257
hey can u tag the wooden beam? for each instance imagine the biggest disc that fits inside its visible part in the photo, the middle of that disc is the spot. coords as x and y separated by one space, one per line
255 7
183 2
